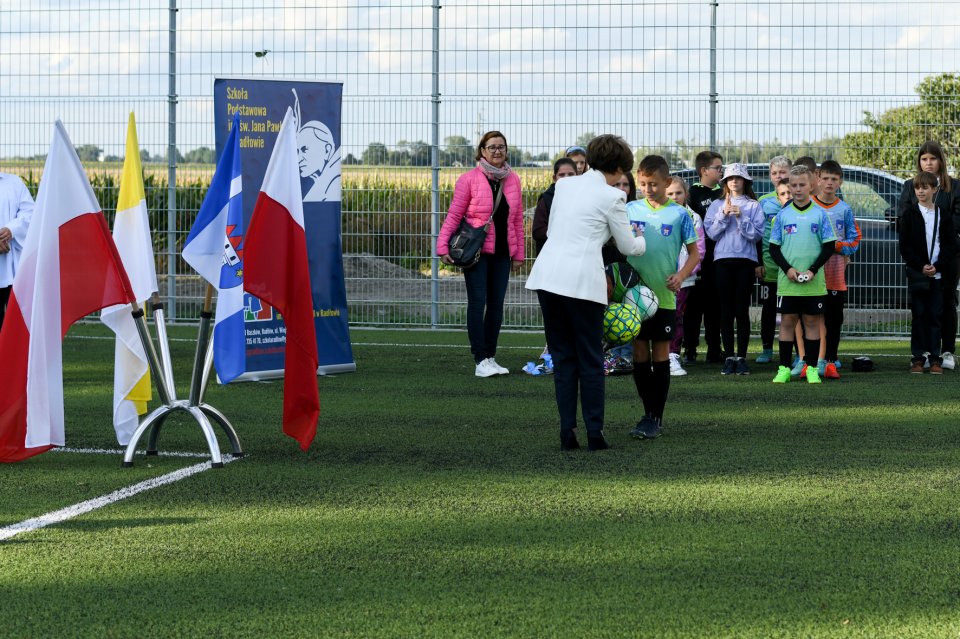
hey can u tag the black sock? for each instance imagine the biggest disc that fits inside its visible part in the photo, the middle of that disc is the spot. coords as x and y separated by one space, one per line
661 382
786 353
813 351
643 378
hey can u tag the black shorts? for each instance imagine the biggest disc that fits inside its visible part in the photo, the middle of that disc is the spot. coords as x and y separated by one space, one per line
659 328
805 305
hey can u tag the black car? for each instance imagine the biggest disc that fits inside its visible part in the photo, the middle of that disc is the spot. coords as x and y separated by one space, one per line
875 275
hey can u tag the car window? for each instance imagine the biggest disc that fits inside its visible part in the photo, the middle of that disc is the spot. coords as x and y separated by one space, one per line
864 200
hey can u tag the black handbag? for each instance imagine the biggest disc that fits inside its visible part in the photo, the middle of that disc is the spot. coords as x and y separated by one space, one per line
467 242
917 282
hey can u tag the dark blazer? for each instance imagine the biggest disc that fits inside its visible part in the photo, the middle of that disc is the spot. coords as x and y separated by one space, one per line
541 217
948 202
913 243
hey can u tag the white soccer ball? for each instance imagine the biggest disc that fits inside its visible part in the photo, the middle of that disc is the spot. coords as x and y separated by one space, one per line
643 299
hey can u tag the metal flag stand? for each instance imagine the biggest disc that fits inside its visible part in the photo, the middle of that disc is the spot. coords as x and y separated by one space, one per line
162 372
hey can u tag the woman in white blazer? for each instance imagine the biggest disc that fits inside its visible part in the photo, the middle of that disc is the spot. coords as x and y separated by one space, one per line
569 279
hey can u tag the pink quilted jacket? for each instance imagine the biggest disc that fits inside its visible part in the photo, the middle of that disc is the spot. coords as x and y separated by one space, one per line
473 197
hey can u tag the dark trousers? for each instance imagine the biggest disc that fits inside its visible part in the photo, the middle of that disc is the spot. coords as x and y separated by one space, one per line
735 278
575 335
768 313
926 309
486 288
4 297
702 306
833 322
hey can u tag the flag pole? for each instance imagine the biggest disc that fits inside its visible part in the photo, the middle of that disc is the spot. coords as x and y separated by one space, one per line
202 361
160 322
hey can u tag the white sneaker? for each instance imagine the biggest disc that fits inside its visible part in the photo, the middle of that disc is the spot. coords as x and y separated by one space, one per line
949 361
500 370
485 369
676 370
926 360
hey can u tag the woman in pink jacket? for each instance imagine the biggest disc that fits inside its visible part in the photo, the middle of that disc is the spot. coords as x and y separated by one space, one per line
473 199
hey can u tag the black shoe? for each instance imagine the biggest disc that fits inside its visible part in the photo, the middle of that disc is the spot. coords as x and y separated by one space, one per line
714 357
729 366
690 357
568 440
597 442
647 428
742 368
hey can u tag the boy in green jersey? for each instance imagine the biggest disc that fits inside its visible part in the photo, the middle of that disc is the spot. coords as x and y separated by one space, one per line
667 227
801 242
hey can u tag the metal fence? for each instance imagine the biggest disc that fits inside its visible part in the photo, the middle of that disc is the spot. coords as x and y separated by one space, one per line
853 81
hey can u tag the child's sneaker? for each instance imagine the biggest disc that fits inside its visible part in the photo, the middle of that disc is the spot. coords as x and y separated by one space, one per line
742 368
837 363
821 367
830 372
783 375
623 366
729 366
765 356
813 377
676 370
798 366
949 361
916 366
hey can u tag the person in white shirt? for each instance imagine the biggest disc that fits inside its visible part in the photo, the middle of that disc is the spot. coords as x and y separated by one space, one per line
569 279
16 209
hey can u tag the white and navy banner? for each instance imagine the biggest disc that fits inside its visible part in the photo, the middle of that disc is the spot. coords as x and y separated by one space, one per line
260 105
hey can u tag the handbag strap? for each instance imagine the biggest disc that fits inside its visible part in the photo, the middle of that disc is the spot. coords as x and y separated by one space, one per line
496 204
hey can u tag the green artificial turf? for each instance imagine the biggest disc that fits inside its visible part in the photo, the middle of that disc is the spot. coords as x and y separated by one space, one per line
435 504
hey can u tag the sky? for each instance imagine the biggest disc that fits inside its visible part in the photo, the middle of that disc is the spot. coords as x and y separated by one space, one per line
544 72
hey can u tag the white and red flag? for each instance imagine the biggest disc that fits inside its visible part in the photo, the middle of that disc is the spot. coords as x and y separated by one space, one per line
276 271
69 268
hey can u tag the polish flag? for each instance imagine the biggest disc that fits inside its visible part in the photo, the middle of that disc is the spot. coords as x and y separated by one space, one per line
69 268
276 271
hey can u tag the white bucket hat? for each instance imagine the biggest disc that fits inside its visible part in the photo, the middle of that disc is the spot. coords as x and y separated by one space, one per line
736 170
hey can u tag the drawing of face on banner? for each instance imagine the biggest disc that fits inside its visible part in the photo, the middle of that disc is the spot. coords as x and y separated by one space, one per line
319 159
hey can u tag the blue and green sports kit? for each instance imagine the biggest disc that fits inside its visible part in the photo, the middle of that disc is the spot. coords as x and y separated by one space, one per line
801 235
666 229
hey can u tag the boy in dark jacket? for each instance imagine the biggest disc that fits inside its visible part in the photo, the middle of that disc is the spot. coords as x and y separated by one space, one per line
928 248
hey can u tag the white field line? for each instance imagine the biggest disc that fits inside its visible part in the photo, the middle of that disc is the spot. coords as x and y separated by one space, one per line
117 451
459 346
84 507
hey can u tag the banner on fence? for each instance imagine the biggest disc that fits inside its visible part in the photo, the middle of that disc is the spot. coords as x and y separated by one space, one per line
261 105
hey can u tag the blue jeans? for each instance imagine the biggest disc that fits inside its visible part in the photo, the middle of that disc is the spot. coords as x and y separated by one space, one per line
486 288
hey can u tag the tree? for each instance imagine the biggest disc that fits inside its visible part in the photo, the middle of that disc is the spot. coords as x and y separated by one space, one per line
201 155
375 153
458 150
585 138
89 153
145 156
892 137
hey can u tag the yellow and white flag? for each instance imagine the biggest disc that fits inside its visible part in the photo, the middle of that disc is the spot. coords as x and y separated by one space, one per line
131 234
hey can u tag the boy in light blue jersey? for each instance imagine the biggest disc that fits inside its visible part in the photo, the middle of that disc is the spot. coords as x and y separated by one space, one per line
771 203
667 227
801 242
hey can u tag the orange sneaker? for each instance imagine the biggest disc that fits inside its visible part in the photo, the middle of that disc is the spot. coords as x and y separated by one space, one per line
830 372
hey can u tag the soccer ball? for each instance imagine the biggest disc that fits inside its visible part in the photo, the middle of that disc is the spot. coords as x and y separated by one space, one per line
621 324
643 300
620 277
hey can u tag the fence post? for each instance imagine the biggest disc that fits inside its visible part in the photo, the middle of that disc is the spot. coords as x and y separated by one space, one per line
435 170
713 74
172 167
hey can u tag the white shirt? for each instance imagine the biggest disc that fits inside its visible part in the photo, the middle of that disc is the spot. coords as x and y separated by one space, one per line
586 212
928 220
16 209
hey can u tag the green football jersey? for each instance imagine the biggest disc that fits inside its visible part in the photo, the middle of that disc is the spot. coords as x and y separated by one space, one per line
801 235
666 229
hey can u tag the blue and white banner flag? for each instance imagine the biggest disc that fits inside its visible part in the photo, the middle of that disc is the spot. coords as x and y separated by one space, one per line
214 249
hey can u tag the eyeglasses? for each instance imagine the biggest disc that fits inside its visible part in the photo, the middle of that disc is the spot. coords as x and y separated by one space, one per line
496 148
718 167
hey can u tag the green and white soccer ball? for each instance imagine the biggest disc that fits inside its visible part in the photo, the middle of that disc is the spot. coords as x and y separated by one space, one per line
643 300
621 324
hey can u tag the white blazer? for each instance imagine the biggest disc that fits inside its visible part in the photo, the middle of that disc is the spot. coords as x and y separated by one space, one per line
586 212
